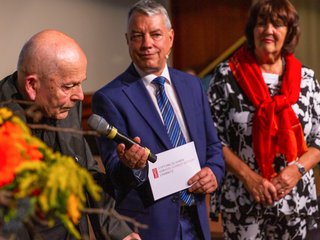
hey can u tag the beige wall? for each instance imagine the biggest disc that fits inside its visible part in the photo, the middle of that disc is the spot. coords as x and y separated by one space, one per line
98 25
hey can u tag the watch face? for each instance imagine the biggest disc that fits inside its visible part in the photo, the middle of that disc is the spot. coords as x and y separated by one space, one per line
301 168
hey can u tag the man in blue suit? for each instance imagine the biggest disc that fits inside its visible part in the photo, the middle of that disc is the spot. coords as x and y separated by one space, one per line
130 104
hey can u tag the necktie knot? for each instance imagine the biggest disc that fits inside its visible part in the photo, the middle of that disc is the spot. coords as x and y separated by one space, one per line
159 81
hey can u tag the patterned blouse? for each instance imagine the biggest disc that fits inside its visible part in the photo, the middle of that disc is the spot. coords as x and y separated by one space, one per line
232 113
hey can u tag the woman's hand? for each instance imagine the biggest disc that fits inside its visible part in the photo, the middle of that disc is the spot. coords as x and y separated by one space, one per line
285 180
290 175
262 190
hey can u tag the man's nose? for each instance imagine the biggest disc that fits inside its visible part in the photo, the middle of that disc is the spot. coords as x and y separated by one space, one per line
77 95
147 40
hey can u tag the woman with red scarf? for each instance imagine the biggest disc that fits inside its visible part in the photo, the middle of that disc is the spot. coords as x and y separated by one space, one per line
266 107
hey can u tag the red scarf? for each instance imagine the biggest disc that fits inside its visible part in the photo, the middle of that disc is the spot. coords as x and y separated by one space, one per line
276 128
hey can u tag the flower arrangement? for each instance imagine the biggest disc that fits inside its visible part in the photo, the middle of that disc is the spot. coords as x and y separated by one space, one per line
53 185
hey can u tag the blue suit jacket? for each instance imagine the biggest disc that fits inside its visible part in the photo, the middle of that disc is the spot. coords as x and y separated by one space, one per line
126 104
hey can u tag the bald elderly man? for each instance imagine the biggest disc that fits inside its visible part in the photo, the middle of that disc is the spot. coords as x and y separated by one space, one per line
50 72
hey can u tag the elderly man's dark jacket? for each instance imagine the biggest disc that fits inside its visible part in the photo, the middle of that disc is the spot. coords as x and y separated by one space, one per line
73 145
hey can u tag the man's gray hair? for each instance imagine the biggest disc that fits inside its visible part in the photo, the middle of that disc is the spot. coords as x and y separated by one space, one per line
150 8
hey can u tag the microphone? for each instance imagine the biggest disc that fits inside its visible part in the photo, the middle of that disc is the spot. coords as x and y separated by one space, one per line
99 124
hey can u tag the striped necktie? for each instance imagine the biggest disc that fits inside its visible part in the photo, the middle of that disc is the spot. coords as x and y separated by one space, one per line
172 125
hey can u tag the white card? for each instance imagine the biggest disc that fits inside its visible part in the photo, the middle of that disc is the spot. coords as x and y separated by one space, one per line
172 170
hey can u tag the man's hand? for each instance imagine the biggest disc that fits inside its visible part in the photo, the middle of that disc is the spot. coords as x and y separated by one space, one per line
135 157
203 181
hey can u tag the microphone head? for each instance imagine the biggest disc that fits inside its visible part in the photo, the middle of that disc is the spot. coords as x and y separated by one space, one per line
99 124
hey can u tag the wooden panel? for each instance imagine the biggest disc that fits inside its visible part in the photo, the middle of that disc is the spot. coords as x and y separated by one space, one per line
86 110
86 113
204 29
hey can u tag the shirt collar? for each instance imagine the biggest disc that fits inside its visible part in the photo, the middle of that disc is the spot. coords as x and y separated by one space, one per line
147 78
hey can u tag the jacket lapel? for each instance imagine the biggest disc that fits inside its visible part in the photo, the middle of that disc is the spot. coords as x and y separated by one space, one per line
186 100
72 144
135 91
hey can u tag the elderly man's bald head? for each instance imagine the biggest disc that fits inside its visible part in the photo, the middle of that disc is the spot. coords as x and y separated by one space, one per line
51 69
44 51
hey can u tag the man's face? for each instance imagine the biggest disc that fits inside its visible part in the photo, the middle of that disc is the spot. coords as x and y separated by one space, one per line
149 42
59 92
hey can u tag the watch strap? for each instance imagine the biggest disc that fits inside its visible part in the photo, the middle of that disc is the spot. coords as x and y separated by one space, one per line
301 168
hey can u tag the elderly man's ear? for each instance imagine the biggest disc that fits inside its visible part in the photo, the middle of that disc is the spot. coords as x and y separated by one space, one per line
32 85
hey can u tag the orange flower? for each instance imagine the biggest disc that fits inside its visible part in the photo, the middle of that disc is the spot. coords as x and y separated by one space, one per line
11 129
30 151
13 151
73 208
10 159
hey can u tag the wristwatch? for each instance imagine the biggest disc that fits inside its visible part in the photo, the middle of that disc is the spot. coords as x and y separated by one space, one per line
301 168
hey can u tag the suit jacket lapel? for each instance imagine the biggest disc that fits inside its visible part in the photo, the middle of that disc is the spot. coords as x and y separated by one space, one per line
186 100
64 140
135 91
